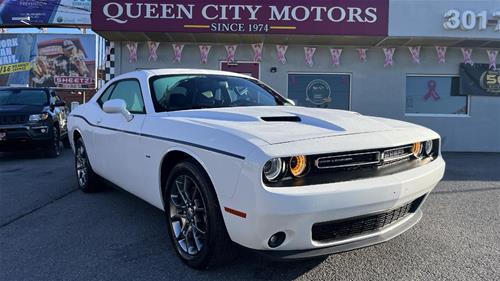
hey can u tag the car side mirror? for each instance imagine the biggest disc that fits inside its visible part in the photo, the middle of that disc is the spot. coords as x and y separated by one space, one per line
117 106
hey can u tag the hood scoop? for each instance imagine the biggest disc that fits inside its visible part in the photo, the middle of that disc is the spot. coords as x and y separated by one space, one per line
281 119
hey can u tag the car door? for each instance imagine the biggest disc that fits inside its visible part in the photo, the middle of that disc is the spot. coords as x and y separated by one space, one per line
117 140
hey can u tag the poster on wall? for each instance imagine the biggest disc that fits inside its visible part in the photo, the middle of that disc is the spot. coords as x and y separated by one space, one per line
479 80
48 60
44 12
320 90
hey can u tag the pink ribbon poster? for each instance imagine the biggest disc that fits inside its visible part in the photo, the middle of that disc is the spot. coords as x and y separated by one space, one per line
231 53
204 51
177 52
132 52
335 53
280 53
389 53
431 91
153 47
309 54
257 52
441 54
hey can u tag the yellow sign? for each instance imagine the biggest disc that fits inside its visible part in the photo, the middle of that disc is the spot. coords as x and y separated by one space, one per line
16 67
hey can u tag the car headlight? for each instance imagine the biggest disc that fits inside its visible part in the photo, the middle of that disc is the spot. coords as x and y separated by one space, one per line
428 146
38 117
273 169
417 149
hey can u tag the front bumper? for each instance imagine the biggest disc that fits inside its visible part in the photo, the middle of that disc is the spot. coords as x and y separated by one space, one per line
294 210
17 137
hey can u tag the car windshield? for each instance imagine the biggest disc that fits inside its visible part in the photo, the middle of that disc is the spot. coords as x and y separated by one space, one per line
182 92
23 97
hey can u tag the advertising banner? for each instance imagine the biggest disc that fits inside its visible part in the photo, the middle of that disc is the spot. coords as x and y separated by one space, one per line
479 80
44 12
308 17
48 60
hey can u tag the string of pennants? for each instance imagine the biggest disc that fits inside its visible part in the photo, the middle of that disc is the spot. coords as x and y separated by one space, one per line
309 52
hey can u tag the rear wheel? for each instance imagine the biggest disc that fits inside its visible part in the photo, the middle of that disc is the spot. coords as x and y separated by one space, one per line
88 181
195 223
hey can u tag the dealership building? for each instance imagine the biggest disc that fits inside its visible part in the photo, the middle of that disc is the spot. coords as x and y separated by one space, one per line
426 62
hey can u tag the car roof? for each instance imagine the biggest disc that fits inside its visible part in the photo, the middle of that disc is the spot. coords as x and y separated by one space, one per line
177 71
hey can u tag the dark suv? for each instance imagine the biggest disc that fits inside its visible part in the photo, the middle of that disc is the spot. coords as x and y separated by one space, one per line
32 118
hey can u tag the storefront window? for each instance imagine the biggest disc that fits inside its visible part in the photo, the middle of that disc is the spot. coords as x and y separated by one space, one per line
320 90
434 95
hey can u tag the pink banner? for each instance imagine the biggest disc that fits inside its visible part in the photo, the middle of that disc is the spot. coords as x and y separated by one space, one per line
132 52
153 47
431 91
362 54
335 54
177 52
492 57
257 52
441 53
281 52
389 53
231 53
467 52
309 53
204 50
415 54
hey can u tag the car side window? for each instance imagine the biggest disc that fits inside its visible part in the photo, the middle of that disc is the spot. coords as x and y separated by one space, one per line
105 96
130 92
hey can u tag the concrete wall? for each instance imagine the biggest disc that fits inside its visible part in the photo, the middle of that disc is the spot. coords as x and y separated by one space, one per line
375 90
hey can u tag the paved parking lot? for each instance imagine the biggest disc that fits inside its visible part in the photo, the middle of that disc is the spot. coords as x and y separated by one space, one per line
51 231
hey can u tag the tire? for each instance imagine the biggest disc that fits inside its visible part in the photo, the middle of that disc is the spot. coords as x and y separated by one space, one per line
54 148
199 237
87 180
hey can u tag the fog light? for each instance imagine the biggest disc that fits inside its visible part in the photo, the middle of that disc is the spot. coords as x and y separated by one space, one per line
277 239
43 131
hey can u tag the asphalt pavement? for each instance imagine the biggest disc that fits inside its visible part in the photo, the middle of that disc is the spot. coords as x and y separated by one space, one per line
49 230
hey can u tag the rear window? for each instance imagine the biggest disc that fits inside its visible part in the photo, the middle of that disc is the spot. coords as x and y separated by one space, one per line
23 97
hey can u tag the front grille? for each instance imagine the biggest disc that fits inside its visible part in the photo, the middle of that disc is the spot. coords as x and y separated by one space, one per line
13 119
348 228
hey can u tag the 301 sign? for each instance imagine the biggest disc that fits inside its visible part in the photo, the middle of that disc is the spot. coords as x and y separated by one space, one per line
469 20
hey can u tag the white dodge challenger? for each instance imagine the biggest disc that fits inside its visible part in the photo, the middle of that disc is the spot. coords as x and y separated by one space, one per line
230 161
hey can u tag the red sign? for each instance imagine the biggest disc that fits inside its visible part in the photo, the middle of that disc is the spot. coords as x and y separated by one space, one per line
310 17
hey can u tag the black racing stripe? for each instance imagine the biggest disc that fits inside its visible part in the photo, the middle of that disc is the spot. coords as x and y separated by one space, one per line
163 138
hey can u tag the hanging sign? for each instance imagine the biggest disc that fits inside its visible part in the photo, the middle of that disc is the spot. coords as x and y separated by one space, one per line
257 52
309 53
204 50
153 47
280 53
479 80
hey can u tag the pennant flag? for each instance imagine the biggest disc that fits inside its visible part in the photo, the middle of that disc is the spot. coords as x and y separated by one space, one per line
177 52
231 53
415 54
281 52
362 54
335 53
441 53
309 55
257 52
389 53
467 52
132 52
204 50
492 56
153 47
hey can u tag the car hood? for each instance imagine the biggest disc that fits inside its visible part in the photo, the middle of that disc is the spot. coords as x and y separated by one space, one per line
21 109
281 124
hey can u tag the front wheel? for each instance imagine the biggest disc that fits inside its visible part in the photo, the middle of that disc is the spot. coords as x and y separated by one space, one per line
195 223
88 181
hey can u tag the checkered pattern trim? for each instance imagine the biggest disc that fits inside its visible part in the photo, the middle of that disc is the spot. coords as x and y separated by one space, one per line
109 69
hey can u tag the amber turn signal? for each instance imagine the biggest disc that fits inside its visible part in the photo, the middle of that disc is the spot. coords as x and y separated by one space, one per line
417 149
298 165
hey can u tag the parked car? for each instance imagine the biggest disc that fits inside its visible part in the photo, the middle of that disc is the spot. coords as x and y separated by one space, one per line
229 160
32 118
